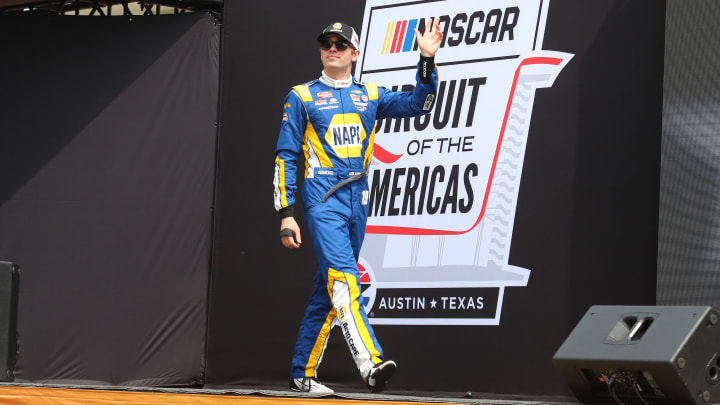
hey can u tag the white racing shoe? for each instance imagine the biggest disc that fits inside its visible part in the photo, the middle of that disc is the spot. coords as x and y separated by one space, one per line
309 384
380 374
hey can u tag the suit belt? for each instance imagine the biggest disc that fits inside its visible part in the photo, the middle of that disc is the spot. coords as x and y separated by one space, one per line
350 179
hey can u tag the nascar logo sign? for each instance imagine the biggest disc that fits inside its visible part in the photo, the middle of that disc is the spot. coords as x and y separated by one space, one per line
444 186
400 36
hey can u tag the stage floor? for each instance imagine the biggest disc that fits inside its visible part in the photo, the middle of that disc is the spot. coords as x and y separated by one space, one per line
34 394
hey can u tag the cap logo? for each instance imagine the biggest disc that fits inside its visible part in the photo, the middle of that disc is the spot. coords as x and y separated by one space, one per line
337 26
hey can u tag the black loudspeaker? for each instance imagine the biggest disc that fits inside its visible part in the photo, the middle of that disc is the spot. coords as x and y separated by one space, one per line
9 348
665 355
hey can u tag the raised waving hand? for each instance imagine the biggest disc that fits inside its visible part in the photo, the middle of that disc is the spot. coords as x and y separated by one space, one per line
430 40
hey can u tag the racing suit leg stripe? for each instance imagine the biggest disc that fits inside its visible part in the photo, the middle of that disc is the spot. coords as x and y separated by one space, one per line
319 346
314 330
360 320
357 332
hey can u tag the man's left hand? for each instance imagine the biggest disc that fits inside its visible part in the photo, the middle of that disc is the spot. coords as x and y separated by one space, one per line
429 42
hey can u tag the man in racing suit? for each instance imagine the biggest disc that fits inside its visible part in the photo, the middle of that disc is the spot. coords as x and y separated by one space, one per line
331 121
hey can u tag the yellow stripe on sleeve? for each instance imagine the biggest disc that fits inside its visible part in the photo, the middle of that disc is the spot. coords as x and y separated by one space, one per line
281 181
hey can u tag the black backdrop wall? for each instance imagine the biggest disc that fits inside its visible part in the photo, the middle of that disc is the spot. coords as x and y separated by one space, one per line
586 220
108 144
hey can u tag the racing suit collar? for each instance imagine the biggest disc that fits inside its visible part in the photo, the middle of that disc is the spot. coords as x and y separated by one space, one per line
336 84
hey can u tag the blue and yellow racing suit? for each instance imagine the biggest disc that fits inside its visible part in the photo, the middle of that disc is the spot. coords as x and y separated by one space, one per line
332 123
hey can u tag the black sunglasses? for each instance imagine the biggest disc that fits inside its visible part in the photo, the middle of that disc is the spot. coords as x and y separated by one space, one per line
326 44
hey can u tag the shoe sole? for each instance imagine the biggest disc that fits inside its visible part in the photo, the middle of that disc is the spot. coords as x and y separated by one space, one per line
313 393
295 388
384 373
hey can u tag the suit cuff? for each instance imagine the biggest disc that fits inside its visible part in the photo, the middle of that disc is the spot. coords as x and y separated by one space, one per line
427 66
288 211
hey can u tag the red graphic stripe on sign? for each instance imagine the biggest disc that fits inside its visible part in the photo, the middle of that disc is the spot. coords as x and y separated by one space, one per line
395 37
401 37
383 155
402 230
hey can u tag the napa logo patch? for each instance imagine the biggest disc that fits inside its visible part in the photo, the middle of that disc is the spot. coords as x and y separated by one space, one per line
345 135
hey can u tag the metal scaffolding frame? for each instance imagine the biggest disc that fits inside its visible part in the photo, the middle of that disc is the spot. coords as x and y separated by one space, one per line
105 7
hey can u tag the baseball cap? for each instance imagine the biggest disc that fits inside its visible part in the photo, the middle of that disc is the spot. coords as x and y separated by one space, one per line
344 31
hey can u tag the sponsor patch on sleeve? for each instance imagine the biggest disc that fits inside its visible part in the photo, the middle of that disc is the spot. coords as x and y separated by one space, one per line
428 102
